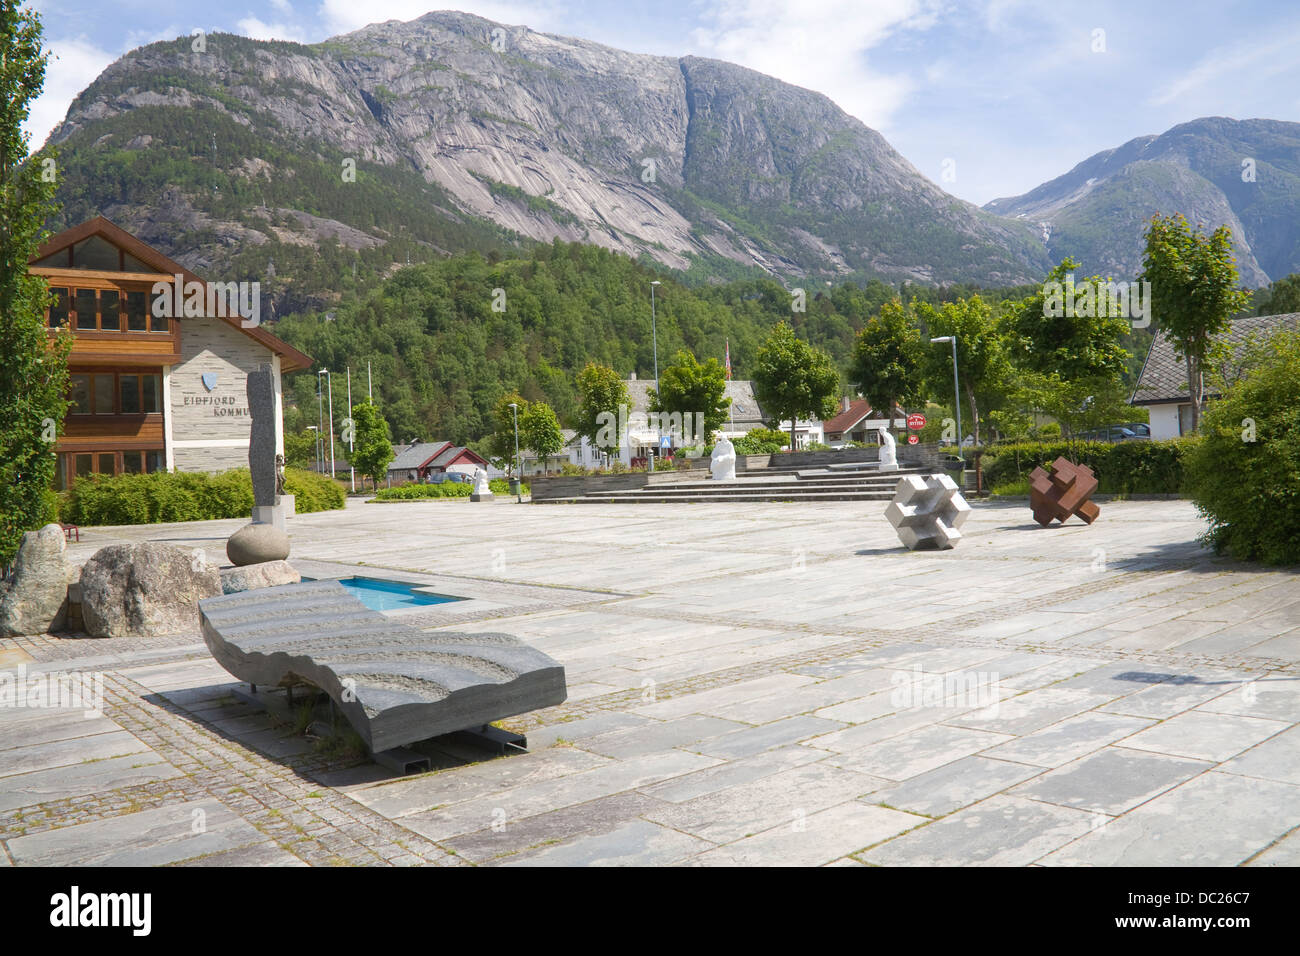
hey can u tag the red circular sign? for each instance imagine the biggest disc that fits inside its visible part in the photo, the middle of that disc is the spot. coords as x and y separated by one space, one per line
915 422
912 439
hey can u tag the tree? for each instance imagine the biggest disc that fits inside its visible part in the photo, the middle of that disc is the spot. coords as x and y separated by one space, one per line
793 379
1280 298
887 364
1193 292
687 387
300 449
1082 341
372 450
501 442
33 364
982 362
539 430
1244 470
601 395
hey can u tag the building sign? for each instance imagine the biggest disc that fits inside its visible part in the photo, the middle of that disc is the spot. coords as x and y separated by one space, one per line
915 422
223 406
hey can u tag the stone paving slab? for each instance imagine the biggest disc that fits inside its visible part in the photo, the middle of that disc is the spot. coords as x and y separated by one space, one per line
1112 780
1192 825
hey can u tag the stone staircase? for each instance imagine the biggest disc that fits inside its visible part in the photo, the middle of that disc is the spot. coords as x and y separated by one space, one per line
763 485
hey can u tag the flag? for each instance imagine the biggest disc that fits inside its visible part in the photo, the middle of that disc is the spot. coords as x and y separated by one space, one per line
728 360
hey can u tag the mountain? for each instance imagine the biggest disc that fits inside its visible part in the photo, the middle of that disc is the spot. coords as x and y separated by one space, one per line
1244 174
470 135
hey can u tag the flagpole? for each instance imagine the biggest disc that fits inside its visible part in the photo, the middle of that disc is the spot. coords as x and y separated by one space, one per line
732 407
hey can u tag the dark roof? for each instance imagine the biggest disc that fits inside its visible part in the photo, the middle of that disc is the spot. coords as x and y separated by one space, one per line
744 410
859 409
416 455
1164 374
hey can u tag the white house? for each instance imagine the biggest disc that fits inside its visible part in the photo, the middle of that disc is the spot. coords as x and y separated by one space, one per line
1162 386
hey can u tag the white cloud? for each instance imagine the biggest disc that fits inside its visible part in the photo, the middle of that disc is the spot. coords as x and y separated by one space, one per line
818 44
259 30
345 16
1261 57
72 66
282 6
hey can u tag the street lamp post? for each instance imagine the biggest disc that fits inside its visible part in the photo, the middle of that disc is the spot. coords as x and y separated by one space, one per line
320 425
519 486
956 388
329 382
654 332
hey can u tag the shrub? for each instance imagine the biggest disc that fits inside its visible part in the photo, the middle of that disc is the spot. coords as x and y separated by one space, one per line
313 492
1136 467
1244 474
184 496
447 489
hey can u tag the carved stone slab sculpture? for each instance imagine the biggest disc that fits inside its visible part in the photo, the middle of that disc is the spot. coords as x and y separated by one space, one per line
396 684
888 451
1063 491
927 512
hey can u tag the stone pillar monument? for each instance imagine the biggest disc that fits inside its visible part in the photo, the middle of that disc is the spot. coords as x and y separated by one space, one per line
265 539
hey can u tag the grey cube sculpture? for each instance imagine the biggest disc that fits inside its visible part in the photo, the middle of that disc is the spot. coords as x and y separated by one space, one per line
927 512
396 684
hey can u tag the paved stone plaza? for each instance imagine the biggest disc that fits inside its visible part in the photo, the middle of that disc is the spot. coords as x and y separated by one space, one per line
748 684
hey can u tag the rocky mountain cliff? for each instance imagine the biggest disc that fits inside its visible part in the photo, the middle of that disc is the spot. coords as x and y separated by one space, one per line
1216 171
466 134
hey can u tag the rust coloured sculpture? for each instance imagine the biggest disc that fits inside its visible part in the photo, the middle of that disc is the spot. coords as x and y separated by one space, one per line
1061 492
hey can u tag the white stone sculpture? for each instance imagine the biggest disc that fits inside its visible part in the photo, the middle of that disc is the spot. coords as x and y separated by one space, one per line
482 491
723 463
927 512
888 451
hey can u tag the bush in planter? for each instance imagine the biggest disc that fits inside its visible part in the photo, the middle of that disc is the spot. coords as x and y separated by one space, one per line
1244 473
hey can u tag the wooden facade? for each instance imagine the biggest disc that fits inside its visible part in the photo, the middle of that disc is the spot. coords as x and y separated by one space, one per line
104 281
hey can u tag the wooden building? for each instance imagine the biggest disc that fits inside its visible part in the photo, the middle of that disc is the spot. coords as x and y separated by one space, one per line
153 387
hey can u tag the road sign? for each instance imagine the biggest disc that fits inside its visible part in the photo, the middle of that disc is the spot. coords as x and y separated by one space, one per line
665 441
912 439
915 422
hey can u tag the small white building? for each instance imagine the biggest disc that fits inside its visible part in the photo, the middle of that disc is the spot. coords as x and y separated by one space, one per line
1162 386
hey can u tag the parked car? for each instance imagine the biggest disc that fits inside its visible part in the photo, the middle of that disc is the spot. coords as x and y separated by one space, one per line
1113 433
438 477
1141 429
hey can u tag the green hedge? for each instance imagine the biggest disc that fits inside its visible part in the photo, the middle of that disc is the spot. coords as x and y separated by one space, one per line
184 496
447 489
1132 468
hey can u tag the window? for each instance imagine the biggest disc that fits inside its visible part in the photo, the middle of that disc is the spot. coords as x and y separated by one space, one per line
137 318
107 463
86 310
155 461
59 310
110 311
84 465
103 391
95 253
140 393
79 394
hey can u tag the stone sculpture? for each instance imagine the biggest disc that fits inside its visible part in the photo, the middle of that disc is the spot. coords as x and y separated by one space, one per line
265 539
888 451
35 599
1061 492
396 684
723 463
482 491
927 512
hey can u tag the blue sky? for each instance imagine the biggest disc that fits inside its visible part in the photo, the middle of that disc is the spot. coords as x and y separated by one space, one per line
1003 94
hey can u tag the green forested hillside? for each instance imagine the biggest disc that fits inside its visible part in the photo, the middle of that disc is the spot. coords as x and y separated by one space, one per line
441 356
